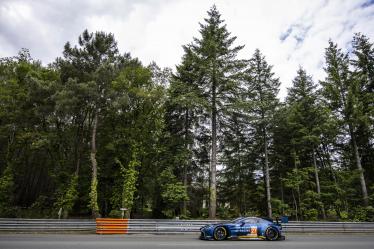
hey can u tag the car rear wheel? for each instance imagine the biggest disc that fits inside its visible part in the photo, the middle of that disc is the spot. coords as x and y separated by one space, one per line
271 234
220 233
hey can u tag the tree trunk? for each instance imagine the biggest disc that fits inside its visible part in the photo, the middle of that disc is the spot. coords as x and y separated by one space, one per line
267 176
282 194
213 161
78 151
93 194
317 184
240 183
187 147
297 187
359 167
295 204
79 144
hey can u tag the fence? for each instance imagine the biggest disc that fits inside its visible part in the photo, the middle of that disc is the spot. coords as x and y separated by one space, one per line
169 226
112 226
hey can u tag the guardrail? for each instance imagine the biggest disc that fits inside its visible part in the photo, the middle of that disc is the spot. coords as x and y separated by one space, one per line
47 225
170 226
112 226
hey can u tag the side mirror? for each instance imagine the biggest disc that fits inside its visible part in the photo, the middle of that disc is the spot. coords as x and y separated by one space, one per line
242 223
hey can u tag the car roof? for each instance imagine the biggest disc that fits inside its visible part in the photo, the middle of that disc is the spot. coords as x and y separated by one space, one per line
253 217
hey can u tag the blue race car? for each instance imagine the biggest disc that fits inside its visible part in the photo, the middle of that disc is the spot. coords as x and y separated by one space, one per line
243 228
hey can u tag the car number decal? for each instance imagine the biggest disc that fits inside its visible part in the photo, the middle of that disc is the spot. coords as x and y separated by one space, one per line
253 230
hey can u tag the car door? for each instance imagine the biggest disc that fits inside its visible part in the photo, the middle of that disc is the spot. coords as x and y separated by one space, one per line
248 227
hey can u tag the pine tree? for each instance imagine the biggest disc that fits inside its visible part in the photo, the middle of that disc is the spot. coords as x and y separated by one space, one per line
217 74
306 120
94 64
182 110
363 66
341 92
262 89
236 186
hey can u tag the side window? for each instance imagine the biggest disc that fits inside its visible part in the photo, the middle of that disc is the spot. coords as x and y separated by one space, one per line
250 221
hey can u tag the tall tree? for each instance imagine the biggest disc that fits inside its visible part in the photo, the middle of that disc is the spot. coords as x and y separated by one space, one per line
94 64
340 89
306 122
261 94
218 71
363 71
182 112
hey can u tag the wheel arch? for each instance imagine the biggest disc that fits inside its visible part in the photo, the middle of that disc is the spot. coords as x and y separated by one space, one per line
228 230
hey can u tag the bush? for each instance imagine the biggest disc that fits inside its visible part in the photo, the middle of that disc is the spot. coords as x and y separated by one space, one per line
115 214
311 214
363 214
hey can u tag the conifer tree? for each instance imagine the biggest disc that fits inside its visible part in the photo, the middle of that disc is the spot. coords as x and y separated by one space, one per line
261 94
306 120
182 110
218 69
363 72
340 89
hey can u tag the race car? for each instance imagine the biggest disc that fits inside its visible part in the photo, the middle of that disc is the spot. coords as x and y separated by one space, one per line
243 228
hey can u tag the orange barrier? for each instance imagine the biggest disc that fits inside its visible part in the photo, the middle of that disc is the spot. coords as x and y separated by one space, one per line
112 226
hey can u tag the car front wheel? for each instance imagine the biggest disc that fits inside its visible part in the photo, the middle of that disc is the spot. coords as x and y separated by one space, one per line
220 233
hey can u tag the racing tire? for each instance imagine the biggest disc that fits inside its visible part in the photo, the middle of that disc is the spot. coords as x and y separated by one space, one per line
220 233
271 234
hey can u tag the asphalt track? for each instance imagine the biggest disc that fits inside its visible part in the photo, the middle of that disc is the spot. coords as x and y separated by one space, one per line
92 241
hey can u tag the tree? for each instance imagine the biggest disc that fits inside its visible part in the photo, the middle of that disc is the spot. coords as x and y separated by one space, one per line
306 120
341 92
173 192
26 135
217 77
363 71
133 136
94 63
261 95
238 157
183 109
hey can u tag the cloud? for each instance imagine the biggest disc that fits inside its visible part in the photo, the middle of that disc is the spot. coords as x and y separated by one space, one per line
288 32
367 3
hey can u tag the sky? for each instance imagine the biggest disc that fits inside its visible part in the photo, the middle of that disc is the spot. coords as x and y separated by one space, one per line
289 33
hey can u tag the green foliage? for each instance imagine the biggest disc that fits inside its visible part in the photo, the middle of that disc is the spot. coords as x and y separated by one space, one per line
115 214
160 133
67 199
173 192
279 208
6 193
297 177
93 205
363 214
310 214
129 177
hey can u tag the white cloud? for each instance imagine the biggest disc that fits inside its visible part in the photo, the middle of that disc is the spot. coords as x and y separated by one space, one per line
156 30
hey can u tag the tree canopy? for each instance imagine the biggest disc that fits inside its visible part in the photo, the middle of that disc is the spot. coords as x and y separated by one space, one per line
97 131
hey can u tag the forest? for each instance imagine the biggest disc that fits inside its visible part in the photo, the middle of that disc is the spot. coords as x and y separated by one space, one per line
96 131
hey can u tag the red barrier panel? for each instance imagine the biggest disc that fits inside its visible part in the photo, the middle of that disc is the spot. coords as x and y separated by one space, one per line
111 226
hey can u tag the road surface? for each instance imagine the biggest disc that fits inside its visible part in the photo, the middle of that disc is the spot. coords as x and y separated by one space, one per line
92 241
